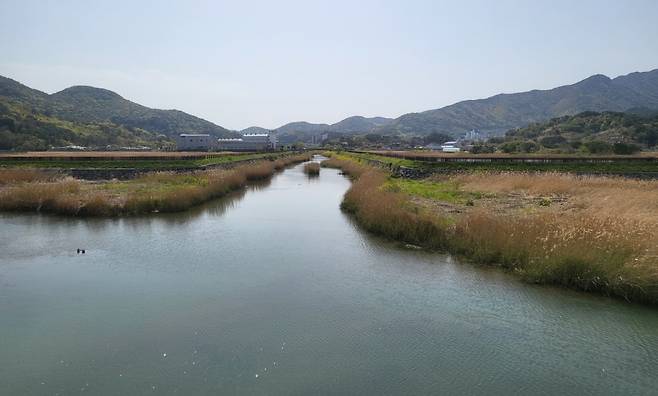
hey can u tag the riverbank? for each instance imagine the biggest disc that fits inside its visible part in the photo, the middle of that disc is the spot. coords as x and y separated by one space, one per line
129 165
423 164
29 190
144 161
595 234
277 282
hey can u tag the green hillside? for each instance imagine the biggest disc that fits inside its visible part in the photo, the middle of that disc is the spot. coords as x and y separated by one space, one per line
87 116
23 128
589 132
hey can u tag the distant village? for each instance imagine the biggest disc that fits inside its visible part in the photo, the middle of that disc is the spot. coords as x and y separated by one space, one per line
270 142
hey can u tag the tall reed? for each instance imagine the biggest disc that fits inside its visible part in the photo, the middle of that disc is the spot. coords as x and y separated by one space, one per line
385 212
17 175
615 254
312 169
42 196
153 192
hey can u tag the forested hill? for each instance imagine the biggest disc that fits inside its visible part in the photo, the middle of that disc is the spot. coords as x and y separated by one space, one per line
597 133
87 116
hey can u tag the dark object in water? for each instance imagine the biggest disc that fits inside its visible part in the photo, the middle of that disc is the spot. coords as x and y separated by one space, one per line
78 251
81 251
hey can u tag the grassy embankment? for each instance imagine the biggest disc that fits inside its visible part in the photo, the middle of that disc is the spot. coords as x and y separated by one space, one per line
312 169
37 191
146 163
619 167
589 233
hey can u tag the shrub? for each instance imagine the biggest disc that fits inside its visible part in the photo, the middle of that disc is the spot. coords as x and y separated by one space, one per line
529 147
509 147
483 149
625 148
598 147
552 141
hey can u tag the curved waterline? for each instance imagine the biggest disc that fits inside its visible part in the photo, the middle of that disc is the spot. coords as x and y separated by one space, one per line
281 275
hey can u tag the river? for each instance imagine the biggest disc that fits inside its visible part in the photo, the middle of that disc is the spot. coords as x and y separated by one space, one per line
275 291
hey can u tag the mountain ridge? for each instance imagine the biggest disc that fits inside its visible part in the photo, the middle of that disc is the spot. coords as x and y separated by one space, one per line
89 116
505 111
85 115
501 112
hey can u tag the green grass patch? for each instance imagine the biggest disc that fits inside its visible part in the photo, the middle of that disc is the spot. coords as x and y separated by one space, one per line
447 191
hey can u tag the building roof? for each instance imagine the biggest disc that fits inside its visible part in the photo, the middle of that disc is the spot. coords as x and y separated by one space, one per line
194 135
229 140
257 134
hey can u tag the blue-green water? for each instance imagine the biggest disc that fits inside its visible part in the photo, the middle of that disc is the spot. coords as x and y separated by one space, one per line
275 291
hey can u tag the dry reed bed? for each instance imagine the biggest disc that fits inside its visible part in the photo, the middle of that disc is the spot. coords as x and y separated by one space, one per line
608 245
312 169
154 192
17 175
601 196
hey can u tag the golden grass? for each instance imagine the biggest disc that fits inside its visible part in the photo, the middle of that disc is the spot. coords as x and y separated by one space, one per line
351 168
17 175
606 237
312 169
153 192
607 242
387 213
40 196
601 196
258 171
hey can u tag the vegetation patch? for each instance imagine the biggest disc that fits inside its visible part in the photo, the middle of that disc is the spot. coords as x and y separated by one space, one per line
441 190
600 235
312 169
588 132
145 163
618 166
37 191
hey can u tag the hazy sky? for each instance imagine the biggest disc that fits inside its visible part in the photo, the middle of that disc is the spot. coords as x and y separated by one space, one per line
244 63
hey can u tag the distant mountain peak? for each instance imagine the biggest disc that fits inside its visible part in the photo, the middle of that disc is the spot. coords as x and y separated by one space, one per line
88 91
595 80
597 77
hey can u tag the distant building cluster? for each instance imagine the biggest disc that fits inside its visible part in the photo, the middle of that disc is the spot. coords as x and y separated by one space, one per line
473 135
464 143
247 142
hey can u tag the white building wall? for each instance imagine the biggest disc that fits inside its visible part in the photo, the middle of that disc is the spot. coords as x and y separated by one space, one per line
194 142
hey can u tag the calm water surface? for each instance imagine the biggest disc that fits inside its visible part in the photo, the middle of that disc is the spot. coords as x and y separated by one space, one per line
275 291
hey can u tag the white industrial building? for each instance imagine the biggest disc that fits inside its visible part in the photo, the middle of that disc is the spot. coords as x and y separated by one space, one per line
447 147
249 142
195 141
450 147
